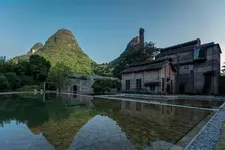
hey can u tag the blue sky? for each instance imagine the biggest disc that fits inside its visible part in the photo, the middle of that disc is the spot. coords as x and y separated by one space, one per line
104 27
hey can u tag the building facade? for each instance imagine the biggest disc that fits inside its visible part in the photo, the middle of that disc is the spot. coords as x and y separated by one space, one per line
84 86
156 76
196 70
197 65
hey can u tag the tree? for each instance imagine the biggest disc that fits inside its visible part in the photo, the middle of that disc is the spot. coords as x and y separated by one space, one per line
39 67
101 86
3 83
135 56
59 75
7 66
13 80
23 68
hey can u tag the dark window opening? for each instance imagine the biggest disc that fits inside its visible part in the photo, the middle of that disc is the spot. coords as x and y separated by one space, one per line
127 85
152 88
163 84
138 84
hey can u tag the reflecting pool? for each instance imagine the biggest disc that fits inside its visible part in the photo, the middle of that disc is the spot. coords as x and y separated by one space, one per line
61 122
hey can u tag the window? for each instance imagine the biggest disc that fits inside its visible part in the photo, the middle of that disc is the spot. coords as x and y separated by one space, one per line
171 82
163 84
127 85
138 84
196 53
152 88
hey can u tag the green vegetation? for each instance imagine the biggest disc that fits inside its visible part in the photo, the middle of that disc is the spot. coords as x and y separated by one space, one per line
14 81
102 69
63 47
59 75
32 71
28 88
39 67
101 86
4 84
133 55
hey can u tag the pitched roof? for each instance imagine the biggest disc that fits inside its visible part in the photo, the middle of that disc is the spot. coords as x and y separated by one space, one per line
179 48
146 66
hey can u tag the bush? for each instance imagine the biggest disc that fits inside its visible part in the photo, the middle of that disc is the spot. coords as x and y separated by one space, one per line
13 80
101 86
26 80
4 84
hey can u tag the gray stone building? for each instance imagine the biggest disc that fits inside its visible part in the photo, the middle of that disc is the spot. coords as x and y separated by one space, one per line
84 86
196 67
157 76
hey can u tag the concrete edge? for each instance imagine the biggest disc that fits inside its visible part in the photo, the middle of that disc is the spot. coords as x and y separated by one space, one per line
194 131
10 93
203 128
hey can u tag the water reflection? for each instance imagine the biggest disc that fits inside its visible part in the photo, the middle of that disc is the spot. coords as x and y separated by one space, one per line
65 121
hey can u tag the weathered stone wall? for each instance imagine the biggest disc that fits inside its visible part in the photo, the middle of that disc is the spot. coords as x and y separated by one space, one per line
191 73
150 76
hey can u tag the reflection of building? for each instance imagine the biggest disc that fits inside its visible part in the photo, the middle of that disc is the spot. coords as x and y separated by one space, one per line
161 113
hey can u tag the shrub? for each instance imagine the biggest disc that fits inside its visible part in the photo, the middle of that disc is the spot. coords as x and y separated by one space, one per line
26 80
13 80
101 86
4 84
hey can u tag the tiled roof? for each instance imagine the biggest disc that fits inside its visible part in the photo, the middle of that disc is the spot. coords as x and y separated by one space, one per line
178 48
146 66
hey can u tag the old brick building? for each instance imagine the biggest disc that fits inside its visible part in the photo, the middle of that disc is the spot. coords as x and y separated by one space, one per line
196 70
197 65
157 76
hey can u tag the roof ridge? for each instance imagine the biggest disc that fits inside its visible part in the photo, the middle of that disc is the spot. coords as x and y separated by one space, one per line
179 45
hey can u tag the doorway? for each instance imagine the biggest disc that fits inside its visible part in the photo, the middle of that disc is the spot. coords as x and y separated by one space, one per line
74 91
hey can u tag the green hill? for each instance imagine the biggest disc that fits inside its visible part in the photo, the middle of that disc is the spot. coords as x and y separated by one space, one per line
63 47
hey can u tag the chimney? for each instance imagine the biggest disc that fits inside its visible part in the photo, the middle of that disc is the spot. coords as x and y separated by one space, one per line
141 37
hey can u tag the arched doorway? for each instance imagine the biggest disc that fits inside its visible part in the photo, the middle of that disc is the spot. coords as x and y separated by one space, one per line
74 91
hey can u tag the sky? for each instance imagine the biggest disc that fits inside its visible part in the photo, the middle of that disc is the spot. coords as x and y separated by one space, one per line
104 27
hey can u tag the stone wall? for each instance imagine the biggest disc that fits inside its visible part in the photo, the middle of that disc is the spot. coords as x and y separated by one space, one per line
191 74
150 76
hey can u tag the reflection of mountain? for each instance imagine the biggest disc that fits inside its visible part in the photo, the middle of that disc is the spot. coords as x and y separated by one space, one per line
31 111
61 133
68 121
101 132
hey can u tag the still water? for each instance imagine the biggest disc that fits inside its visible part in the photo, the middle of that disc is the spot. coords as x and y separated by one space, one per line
80 122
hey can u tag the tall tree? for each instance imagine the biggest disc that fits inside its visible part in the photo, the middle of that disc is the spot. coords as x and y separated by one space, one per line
39 67
58 75
135 56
